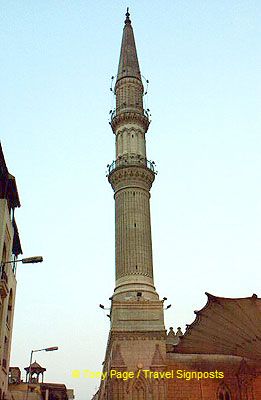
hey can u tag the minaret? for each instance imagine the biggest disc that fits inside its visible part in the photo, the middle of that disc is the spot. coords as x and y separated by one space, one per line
137 334
131 176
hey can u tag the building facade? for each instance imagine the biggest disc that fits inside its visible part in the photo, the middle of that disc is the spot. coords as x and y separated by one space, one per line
11 385
10 248
219 356
37 389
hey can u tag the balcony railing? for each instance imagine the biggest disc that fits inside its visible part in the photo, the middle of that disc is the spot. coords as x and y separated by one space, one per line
130 107
130 161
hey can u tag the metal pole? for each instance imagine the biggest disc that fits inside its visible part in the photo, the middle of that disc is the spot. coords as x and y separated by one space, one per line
29 380
31 359
29 377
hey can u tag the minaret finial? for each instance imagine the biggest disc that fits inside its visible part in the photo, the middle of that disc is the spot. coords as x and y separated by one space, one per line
127 20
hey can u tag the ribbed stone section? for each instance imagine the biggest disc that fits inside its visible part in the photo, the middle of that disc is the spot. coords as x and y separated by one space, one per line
133 246
133 233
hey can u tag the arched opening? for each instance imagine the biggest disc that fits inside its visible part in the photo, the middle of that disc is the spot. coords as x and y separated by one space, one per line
138 391
4 259
138 388
9 309
4 254
5 352
223 393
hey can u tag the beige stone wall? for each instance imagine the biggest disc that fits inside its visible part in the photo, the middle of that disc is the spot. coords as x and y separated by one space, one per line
132 353
130 139
19 392
137 315
133 246
6 229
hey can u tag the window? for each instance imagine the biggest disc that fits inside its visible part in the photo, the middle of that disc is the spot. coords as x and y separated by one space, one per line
9 308
4 254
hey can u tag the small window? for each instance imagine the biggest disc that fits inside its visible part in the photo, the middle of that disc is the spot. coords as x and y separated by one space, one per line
4 254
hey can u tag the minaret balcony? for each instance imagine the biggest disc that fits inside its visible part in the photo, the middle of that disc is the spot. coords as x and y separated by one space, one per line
131 160
124 115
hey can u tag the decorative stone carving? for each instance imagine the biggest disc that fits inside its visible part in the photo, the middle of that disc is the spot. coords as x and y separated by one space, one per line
117 360
131 176
129 117
157 359
172 339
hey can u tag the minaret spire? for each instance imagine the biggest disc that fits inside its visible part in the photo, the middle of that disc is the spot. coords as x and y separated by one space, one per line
128 64
129 88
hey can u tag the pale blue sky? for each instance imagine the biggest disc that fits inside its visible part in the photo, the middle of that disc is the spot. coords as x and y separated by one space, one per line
203 61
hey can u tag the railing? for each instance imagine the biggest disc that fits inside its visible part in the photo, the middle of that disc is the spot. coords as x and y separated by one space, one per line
130 107
113 114
129 161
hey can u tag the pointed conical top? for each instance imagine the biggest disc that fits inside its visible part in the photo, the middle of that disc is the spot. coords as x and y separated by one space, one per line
128 64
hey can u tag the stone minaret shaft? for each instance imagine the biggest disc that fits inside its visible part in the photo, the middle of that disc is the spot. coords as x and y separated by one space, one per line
131 176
